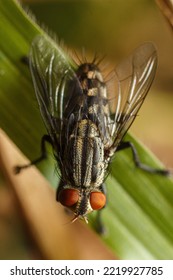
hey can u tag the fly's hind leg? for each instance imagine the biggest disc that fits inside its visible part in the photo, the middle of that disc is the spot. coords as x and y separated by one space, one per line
45 138
125 145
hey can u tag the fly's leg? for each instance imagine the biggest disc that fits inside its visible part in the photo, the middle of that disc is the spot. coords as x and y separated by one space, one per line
45 138
125 145
100 228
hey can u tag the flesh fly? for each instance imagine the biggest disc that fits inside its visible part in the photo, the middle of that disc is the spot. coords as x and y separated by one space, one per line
86 118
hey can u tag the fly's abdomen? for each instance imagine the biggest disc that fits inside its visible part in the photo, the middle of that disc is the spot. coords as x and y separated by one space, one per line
87 155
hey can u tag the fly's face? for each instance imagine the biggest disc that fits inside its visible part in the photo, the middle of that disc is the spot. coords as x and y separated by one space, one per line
81 201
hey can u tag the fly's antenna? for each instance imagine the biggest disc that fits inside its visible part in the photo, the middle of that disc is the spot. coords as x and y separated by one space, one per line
76 217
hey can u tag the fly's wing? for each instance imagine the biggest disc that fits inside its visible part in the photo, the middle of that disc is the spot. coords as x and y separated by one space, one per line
51 74
132 81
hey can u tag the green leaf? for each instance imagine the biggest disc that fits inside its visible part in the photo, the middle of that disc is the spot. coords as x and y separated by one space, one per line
139 209
139 213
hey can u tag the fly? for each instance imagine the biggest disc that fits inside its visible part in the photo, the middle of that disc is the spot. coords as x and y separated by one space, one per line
86 118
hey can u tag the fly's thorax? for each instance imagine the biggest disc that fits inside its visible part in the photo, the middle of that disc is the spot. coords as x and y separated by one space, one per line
85 156
81 201
86 128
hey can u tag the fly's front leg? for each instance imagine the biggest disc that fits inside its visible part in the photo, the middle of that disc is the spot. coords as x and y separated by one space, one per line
45 138
125 145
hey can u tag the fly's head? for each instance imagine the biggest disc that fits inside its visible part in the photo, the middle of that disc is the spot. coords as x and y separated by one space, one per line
81 201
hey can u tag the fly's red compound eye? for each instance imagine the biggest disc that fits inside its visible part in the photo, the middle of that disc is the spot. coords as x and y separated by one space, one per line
97 200
68 197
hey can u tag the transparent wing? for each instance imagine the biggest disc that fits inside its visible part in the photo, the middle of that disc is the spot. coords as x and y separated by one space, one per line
131 82
51 74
